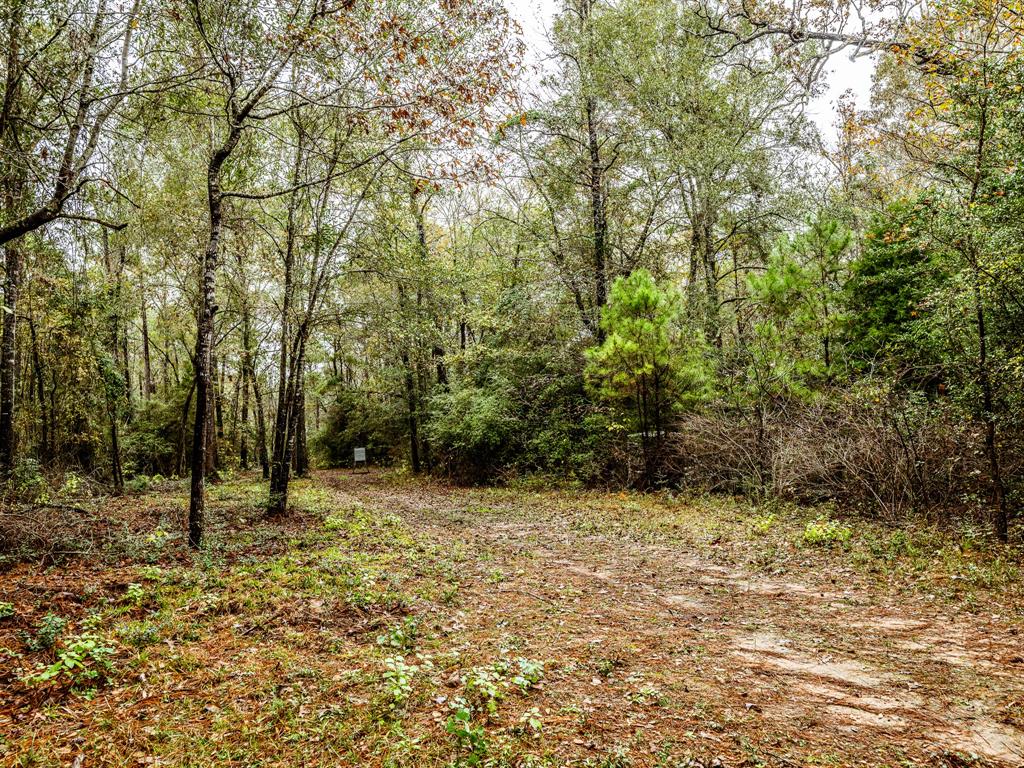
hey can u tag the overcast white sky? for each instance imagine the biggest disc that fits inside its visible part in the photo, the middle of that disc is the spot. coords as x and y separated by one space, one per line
535 18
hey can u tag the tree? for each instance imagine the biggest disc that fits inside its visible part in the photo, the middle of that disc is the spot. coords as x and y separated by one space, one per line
67 71
646 364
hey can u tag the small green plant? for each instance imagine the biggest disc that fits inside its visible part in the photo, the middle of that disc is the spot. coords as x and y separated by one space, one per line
138 484
617 758
484 689
72 484
83 659
50 631
157 537
398 680
823 531
398 677
605 667
763 523
402 636
647 695
530 721
135 594
335 523
527 673
6 610
29 481
470 740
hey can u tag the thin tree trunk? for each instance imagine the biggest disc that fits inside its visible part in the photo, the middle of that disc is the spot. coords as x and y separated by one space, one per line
149 389
38 376
13 188
218 398
413 416
204 330
261 422
8 357
180 465
301 453
204 348
115 451
243 421
598 218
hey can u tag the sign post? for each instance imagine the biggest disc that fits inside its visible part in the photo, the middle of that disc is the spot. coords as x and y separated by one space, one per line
360 456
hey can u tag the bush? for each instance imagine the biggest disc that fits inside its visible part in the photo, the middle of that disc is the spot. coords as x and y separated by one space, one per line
825 531
49 632
875 452
473 429
151 444
357 419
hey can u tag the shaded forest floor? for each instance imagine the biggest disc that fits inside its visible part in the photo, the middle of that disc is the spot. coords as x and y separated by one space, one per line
573 628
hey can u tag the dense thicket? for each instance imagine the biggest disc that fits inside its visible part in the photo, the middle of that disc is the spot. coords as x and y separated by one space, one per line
247 234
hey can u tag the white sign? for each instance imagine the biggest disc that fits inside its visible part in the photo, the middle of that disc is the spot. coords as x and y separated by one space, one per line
361 454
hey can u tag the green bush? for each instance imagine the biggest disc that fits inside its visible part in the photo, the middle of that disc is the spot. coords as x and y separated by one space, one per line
357 419
473 429
150 445
823 531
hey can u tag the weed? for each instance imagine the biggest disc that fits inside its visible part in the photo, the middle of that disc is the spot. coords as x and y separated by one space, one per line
6 610
398 677
402 636
83 659
605 667
527 673
484 688
763 523
470 740
530 722
49 632
135 594
617 758
140 635
823 531
648 695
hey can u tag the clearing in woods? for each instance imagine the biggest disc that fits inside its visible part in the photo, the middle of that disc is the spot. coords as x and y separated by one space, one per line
395 622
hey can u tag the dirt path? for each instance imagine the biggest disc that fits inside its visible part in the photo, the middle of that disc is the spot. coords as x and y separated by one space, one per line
656 643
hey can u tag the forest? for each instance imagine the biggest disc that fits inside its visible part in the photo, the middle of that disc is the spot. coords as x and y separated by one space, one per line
664 383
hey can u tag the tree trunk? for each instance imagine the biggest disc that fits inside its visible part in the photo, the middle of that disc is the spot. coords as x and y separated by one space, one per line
204 332
218 396
12 179
598 218
285 431
115 451
204 348
243 420
413 417
261 422
39 377
301 452
8 361
149 389
180 464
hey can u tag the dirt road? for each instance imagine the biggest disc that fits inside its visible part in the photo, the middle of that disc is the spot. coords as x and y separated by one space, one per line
657 642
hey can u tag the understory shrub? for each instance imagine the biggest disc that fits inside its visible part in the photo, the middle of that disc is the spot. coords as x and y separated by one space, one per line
359 419
881 455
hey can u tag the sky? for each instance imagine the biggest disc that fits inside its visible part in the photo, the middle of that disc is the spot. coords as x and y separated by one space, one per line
841 74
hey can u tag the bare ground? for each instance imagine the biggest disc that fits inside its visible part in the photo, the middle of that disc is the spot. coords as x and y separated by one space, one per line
674 643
